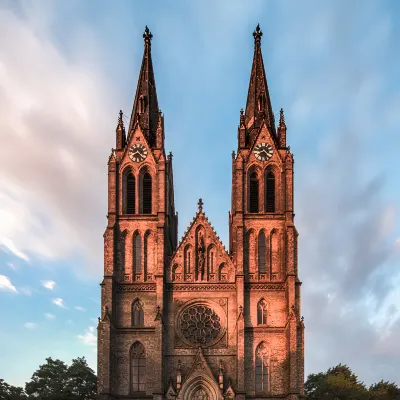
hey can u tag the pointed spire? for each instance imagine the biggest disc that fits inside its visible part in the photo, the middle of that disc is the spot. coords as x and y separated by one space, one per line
120 132
258 106
282 130
145 106
282 119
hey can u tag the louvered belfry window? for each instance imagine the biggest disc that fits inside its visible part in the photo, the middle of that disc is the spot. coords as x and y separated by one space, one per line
146 194
130 194
253 200
270 192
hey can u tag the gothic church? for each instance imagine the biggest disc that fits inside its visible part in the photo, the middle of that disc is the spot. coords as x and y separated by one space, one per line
191 320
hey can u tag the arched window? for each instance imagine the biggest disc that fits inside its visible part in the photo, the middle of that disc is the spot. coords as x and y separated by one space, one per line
274 255
247 252
137 253
138 368
146 193
261 253
262 371
146 254
270 192
129 200
253 193
137 313
261 312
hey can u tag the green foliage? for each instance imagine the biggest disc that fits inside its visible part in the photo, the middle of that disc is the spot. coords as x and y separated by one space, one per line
81 382
56 381
48 382
340 383
384 391
9 392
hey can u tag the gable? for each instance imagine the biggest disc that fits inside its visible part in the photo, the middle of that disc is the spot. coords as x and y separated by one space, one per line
137 138
200 255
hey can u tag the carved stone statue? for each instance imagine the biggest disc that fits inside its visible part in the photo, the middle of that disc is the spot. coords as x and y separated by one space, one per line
201 256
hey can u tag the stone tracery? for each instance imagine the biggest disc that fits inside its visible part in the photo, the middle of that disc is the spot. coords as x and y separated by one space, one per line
200 325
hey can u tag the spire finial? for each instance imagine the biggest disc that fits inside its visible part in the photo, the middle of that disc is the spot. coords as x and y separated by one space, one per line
200 204
147 36
241 117
257 34
281 118
120 121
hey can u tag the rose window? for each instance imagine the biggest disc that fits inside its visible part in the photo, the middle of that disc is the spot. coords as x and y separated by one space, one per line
200 325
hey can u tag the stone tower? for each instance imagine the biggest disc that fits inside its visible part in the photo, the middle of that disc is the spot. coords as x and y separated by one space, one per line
191 320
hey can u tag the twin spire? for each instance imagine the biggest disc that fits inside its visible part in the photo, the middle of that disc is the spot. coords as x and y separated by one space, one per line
258 106
145 108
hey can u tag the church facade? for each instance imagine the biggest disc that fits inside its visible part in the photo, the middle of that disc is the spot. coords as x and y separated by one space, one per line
191 319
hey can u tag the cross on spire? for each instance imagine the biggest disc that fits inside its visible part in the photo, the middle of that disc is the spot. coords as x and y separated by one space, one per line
147 35
200 204
257 34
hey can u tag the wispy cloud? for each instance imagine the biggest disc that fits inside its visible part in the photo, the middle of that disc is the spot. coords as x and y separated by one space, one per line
30 325
89 337
49 285
49 316
13 266
79 308
25 290
32 108
6 285
59 302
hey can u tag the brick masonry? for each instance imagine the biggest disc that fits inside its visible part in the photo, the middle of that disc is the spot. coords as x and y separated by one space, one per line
200 330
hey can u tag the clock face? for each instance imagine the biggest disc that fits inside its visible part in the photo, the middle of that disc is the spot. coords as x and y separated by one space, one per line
138 152
263 151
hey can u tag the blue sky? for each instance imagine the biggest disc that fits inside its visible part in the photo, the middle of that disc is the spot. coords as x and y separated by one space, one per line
67 68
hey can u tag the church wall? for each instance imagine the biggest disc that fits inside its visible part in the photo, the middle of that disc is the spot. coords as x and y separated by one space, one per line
276 306
224 351
124 301
276 342
123 344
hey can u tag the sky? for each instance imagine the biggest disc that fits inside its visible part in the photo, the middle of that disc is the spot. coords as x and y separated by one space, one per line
68 67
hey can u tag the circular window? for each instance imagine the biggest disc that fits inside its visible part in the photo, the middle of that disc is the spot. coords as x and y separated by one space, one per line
200 325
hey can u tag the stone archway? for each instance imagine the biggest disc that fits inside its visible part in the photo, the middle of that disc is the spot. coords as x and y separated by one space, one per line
200 388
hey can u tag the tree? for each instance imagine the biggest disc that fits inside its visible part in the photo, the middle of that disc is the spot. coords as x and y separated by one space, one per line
56 381
338 383
384 391
9 392
81 380
49 381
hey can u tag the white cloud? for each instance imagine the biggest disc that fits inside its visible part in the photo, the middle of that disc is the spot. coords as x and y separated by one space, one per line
49 316
30 325
89 337
6 285
79 308
59 302
50 101
49 285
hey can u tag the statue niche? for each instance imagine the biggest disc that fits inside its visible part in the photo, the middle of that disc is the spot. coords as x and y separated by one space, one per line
200 254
